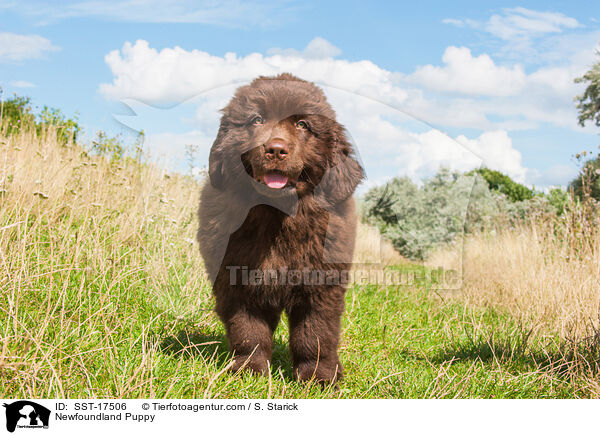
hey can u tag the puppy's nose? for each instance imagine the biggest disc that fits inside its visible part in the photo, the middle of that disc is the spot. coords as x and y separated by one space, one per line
276 149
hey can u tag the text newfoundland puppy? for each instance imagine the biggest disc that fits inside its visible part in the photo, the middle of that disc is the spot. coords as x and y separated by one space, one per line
277 224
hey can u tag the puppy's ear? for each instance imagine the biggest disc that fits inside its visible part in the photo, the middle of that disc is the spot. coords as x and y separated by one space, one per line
345 172
216 171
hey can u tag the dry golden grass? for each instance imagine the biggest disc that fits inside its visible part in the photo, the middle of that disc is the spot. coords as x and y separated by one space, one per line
371 248
535 273
76 234
49 190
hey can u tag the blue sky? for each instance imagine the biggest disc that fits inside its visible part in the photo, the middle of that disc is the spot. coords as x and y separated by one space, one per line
417 85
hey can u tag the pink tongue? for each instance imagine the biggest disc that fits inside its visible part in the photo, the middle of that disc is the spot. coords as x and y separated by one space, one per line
275 181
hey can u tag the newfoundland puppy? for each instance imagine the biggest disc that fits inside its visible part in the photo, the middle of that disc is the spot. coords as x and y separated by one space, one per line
277 224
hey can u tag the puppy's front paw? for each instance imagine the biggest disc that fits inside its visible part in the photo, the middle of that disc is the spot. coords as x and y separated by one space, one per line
324 372
256 363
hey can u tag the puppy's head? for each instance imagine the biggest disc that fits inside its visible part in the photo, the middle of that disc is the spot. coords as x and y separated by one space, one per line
280 136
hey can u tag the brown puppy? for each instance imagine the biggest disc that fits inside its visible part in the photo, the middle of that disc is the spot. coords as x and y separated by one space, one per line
277 224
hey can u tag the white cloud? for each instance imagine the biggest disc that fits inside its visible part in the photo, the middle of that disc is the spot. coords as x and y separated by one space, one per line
497 151
423 154
174 74
22 84
479 90
318 48
15 47
521 23
531 36
454 21
470 75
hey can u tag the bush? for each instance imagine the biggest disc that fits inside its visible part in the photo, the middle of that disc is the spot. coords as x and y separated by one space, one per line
418 220
67 129
587 183
111 147
17 115
499 182
558 199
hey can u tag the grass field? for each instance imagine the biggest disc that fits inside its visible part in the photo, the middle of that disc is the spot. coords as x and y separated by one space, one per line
103 294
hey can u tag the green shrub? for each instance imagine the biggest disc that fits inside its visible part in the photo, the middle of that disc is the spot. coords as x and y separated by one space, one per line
67 129
418 219
17 114
111 147
558 199
587 183
499 182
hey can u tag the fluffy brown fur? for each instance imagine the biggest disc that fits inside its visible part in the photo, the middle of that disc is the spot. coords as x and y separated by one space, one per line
284 126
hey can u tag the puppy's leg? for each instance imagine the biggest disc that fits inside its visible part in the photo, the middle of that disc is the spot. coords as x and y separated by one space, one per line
250 336
314 335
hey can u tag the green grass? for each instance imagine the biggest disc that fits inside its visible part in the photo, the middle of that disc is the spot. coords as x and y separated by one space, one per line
96 339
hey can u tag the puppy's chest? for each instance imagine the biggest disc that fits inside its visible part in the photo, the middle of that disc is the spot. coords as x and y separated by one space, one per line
276 241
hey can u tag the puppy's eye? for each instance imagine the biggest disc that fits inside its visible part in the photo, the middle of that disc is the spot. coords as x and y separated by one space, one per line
302 125
258 120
